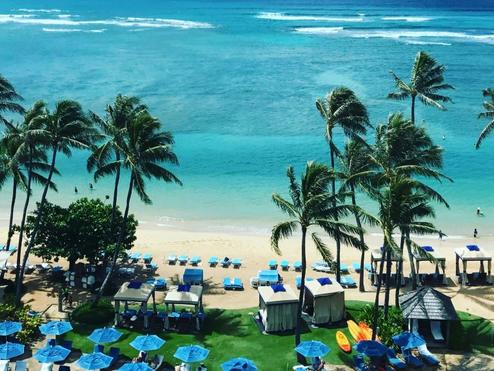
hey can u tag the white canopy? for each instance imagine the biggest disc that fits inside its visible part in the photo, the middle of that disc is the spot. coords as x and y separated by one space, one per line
141 294
191 297
325 302
466 254
278 309
438 259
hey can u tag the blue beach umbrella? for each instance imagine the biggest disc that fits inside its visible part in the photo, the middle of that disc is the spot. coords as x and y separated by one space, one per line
55 328
10 350
94 361
408 340
146 343
8 328
191 353
141 366
51 354
371 348
311 349
239 364
104 335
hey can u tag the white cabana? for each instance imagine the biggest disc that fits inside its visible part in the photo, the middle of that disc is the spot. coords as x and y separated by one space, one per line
190 295
433 256
376 256
324 301
277 307
134 292
472 253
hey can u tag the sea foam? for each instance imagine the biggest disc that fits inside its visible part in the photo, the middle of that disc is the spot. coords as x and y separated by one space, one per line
286 17
407 19
39 10
319 30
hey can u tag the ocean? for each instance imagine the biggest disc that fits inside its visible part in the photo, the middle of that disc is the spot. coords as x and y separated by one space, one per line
236 82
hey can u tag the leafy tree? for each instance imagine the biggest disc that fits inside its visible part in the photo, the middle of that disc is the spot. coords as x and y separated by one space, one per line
311 205
9 98
80 231
488 114
426 83
341 108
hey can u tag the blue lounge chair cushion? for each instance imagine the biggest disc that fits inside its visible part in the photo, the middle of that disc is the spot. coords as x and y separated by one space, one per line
347 281
356 267
427 248
297 265
278 287
395 361
473 247
237 282
134 284
213 260
183 288
324 281
183 258
236 261
343 267
273 263
284 263
410 359
368 267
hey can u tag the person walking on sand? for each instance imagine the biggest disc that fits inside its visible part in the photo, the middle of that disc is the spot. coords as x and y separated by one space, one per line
475 233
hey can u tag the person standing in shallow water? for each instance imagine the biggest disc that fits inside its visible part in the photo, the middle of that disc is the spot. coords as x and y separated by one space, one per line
475 233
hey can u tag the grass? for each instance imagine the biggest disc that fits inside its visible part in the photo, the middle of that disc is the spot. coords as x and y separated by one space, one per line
232 333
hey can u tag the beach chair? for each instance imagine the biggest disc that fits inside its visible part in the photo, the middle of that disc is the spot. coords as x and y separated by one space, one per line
151 267
284 265
183 259
368 267
436 330
157 362
135 256
396 362
427 356
195 260
114 353
233 284
213 261
273 264
46 367
171 259
298 281
356 267
225 262
344 268
347 282
160 283
147 258
237 263
410 359
297 266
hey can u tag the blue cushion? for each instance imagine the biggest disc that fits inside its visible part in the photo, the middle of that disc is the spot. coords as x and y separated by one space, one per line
473 247
427 248
278 288
324 281
134 285
183 288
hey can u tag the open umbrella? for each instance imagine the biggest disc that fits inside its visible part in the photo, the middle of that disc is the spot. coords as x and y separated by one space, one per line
51 354
408 340
8 328
311 349
94 361
191 353
141 366
104 335
146 343
239 364
10 350
55 328
371 348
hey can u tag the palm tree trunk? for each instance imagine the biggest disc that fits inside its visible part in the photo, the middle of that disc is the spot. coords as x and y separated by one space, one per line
413 109
337 234
34 233
378 290
399 271
388 284
11 218
114 206
298 328
361 236
410 258
123 230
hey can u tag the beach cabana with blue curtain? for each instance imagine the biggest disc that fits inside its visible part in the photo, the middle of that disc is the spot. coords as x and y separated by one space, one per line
473 253
277 307
376 256
134 292
324 301
430 254
193 276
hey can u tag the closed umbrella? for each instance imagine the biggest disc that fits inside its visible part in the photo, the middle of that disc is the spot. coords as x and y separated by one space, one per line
141 366
55 328
51 354
191 353
94 361
10 350
311 349
104 335
408 340
146 343
371 348
9 327
239 364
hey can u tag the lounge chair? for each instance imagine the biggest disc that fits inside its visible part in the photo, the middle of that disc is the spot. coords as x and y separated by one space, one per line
297 266
233 284
347 282
151 267
298 281
213 261
172 259
46 367
195 260
273 264
237 263
114 353
135 256
160 283
284 265
368 267
344 268
427 356
157 361
356 267
225 262
436 330
396 362
147 258
411 360
4 365
183 259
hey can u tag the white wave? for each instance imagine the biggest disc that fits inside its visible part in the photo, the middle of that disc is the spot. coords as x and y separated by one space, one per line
416 42
285 17
407 19
18 16
319 30
65 16
39 10
70 30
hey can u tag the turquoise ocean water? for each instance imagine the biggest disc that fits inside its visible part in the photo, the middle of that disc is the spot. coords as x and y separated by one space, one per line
236 81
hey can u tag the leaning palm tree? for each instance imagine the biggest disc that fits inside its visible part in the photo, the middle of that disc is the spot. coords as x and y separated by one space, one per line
144 151
62 130
426 83
341 108
488 114
311 205
8 98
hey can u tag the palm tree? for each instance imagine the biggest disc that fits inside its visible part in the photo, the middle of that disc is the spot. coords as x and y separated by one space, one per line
62 130
144 149
488 114
311 205
426 83
354 172
9 98
341 108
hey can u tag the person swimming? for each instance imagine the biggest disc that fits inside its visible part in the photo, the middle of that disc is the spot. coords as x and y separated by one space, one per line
479 212
76 190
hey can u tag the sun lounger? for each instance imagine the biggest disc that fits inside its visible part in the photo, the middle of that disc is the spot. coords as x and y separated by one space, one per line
157 361
127 271
411 360
151 267
347 282
135 256
344 268
297 266
298 281
114 353
147 258
172 259
273 264
159 283
436 330
368 267
233 284
284 265
427 356
225 262
195 260
394 360
183 259
46 366
356 267
237 263
213 261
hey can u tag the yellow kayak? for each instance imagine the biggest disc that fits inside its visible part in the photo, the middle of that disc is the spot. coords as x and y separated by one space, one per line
343 342
355 331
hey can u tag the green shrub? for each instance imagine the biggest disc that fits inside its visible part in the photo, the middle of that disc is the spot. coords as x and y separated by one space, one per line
99 314
30 324
386 329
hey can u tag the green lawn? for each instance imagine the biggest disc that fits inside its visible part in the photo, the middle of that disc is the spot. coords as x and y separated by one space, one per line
472 333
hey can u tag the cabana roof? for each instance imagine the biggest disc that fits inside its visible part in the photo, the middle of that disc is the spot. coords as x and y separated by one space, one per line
191 297
316 289
423 257
376 254
269 296
141 293
427 303
467 254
